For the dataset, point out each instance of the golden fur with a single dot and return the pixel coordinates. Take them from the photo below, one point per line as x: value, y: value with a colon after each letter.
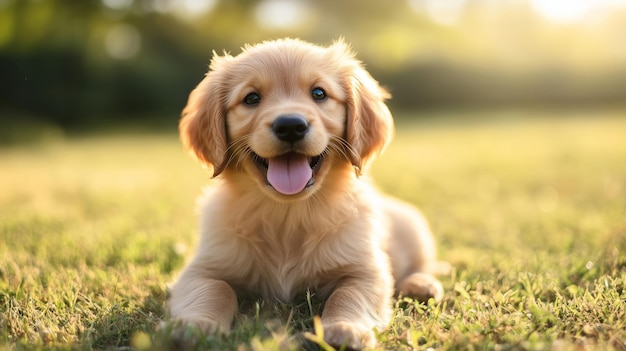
x: 338, y: 236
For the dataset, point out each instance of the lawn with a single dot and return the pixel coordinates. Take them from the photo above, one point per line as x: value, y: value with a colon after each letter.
x: 528, y: 208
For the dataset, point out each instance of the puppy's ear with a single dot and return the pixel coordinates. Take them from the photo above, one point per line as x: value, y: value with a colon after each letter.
x: 203, y: 124
x: 369, y: 126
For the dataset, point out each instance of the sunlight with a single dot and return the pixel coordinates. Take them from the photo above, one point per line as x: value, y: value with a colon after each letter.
x: 195, y: 7
x: 445, y: 12
x: 281, y: 14
x: 122, y: 41
x: 564, y: 10
x: 118, y: 4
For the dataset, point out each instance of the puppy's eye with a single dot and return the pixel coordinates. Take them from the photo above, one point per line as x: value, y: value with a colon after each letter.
x: 318, y: 94
x: 252, y: 99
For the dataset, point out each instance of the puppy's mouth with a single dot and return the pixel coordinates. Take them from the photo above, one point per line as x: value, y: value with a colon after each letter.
x: 289, y: 173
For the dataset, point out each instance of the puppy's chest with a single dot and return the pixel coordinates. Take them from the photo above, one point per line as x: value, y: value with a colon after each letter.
x: 283, y: 277
x: 285, y: 264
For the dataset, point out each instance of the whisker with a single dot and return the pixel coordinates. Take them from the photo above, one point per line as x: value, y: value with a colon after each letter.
x: 237, y: 142
x: 334, y: 149
x: 243, y: 152
x: 237, y: 149
x: 344, y: 149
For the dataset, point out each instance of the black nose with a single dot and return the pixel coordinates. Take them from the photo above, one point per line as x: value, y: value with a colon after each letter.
x: 290, y: 128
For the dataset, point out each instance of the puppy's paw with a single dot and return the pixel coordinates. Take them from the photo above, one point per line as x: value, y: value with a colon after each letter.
x: 192, y: 329
x: 421, y: 287
x: 185, y: 334
x: 352, y: 336
x: 208, y: 326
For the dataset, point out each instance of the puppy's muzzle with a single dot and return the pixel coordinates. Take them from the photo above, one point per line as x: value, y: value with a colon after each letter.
x: 290, y: 128
x: 293, y: 170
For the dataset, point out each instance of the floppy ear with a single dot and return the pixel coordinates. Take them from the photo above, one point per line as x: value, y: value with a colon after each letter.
x: 203, y: 124
x: 369, y: 126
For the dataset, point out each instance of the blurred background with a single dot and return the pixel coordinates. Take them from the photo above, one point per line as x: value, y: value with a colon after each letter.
x: 81, y: 64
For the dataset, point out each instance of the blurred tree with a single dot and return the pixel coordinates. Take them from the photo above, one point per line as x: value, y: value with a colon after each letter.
x: 74, y: 63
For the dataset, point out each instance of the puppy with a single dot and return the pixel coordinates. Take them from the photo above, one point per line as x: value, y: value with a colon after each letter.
x: 289, y: 129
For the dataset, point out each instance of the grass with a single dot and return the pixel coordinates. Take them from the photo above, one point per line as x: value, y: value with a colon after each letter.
x: 530, y: 210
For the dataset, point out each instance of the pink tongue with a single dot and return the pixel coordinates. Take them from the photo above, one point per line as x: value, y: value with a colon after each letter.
x: 289, y: 173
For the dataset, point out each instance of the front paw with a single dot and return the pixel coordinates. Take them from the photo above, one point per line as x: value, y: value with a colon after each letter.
x: 191, y: 329
x: 350, y: 335
x: 184, y: 334
x: 421, y: 287
x: 205, y: 325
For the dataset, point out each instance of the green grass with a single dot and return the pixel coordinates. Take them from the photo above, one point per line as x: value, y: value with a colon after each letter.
x: 529, y: 210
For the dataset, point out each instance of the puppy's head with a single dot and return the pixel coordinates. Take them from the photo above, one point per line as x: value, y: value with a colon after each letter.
x: 286, y: 112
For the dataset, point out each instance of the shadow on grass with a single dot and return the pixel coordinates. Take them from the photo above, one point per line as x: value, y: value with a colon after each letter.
x: 258, y: 326
x: 122, y: 325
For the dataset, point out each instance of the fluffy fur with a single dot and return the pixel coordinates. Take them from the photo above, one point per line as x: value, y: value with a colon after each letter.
x: 337, y: 236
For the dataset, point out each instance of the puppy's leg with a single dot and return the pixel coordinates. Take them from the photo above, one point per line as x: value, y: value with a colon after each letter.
x: 353, y: 310
x: 420, y: 286
x: 206, y: 303
x: 412, y: 252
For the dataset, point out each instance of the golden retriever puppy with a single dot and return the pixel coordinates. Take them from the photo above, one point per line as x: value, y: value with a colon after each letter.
x: 288, y: 129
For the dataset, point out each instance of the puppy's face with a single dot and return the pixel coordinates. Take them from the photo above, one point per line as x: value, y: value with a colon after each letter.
x: 284, y: 113
x: 286, y: 117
